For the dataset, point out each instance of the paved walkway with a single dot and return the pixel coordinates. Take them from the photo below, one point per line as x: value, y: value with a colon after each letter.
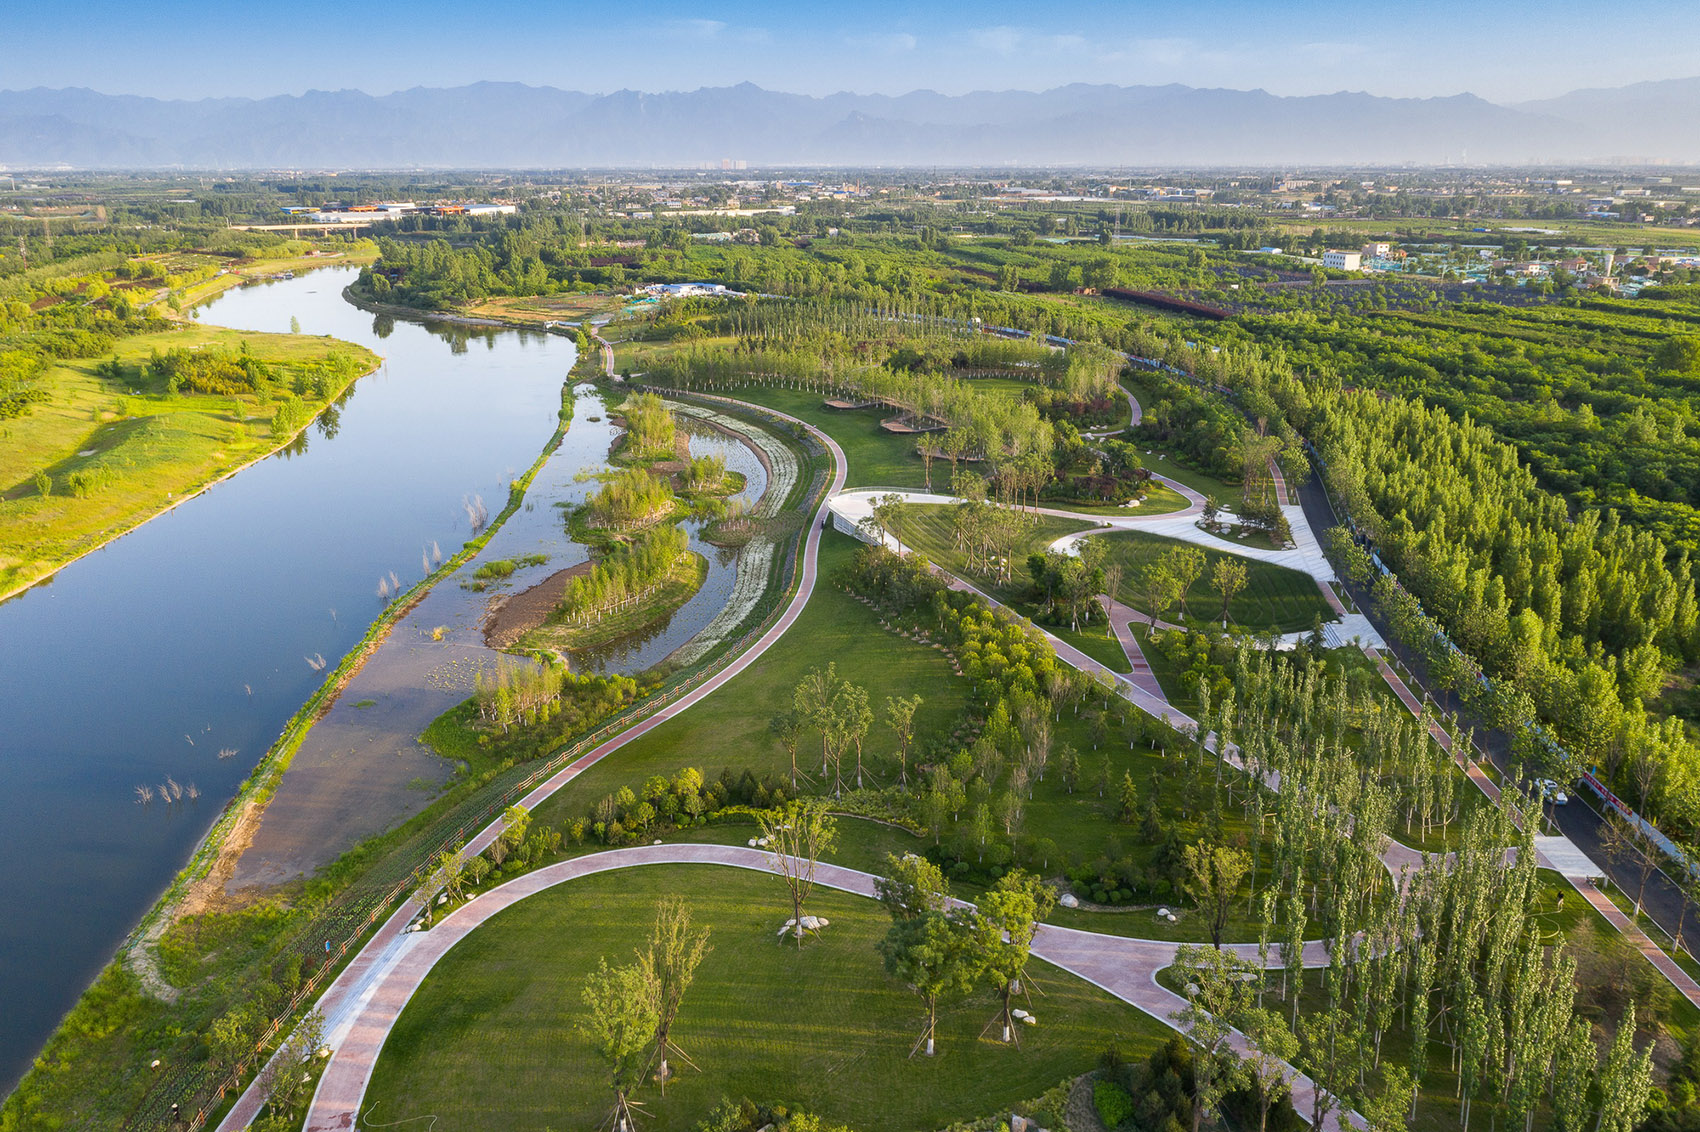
x: 360, y: 980
x: 1124, y: 967
x: 1121, y: 619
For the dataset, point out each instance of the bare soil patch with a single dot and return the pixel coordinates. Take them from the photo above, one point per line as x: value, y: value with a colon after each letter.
x: 511, y: 616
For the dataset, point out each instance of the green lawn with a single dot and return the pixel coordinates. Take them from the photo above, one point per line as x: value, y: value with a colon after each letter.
x: 153, y: 448
x: 928, y: 527
x: 1159, y: 499
x: 490, y: 1038
x: 1273, y: 596
x: 729, y: 729
x: 1096, y: 641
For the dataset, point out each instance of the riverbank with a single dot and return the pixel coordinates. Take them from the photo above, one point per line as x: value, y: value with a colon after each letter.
x: 358, y: 254
x: 350, y: 800
x: 356, y: 296
x: 113, y: 458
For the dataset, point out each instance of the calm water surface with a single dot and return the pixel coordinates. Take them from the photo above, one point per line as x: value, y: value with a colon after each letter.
x: 141, y: 662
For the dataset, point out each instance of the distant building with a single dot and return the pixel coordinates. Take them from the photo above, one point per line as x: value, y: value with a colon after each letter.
x: 1343, y: 261
x: 1377, y: 251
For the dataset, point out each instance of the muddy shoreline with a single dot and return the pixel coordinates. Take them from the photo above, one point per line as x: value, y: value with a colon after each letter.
x: 512, y: 616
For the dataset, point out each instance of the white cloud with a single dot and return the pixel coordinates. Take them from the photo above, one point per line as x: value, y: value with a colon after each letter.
x: 697, y: 29
x: 889, y: 43
x: 998, y: 40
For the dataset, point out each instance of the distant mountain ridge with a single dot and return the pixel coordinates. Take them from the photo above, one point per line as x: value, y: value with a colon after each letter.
x: 512, y: 125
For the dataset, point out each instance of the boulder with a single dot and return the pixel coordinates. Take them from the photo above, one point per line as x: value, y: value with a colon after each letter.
x: 1069, y: 900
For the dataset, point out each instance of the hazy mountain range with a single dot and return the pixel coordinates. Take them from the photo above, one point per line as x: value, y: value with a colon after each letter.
x: 510, y: 125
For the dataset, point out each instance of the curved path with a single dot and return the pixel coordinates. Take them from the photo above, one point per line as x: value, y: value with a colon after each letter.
x: 1126, y: 968
x: 361, y: 978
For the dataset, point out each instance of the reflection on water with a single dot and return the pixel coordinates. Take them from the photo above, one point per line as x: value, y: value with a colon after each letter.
x: 197, y: 634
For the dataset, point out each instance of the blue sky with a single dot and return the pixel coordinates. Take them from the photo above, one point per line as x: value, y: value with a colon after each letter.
x: 1504, y: 50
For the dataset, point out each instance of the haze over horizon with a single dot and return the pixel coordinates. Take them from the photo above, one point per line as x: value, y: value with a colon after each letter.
x: 1502, y: 52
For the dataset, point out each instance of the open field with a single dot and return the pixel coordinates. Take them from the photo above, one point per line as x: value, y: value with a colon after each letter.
x: 929, y: 529
x: 151, y: 450
x: 548, y: 308
x: 1274, y: 596
x: 491, y: 1036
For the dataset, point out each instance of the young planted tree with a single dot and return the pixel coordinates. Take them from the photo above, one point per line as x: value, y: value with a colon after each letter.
x: 900, y: 718
x: 787, y: 726
x: 620, y: 1018
x: 798, y: 835
x: 911, y: 887
x: 930, y: 953
x: 1220, y: 987
x: 854, y: 717
x: 1273, y: 1048
x: 1184, y: 564
x: 284, y: 1079
x: 1214, y: 873
x: 1229, y: 578
x: 1002, y: 934
x: 813, y: 701
x: 1625, y: 1079
x: 670, y: 964
x: 1159, y: 589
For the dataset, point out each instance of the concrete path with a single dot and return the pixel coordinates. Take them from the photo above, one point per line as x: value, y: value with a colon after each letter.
x: 1121, y: 619
x: 1126, y: 968
x: 360, y: 980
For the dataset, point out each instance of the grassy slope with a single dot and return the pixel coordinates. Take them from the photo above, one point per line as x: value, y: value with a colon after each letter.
x: 166, y: 448
x: 491, y: 1035
x: 930, y: 530
x: 1274, y: 595
x: 729, y: 728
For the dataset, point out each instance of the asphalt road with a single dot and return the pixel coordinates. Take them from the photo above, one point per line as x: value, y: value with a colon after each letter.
x: 1578, y: 821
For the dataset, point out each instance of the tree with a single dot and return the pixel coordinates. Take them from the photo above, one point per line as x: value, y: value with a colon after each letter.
x: 1386, y: 1109
x: 620, y: 1019
x: 285, y: 1076
x: 853, y: 718
x: 450, y: 873
x: 1220, y: 987
x: 1324, y: 1037
x: 1003, y: 927
x: 1159, y: 589
x: 1127, y: 800
x: 890, y: 512
x: 911, y: 887
x: 1184, y: 564
x: 930, y: 954
x: 900, y: 717
x: 516, y: 820
x: 1625, y: 1079
x: 813, y: 701
x: 1214, y: 873
x: 1229, y: 578
x: 787, y: 726
x: 670, y: 964
x: 798, y: 835
x: 1273, y: 1047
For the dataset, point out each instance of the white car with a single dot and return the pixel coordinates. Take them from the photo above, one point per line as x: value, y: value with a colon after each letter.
x: 1552, y: 792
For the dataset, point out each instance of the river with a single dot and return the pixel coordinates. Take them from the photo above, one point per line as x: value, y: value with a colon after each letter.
x: 140, y: 663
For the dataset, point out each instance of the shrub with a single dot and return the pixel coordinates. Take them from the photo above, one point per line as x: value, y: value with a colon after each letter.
x: 1113, y: 1103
